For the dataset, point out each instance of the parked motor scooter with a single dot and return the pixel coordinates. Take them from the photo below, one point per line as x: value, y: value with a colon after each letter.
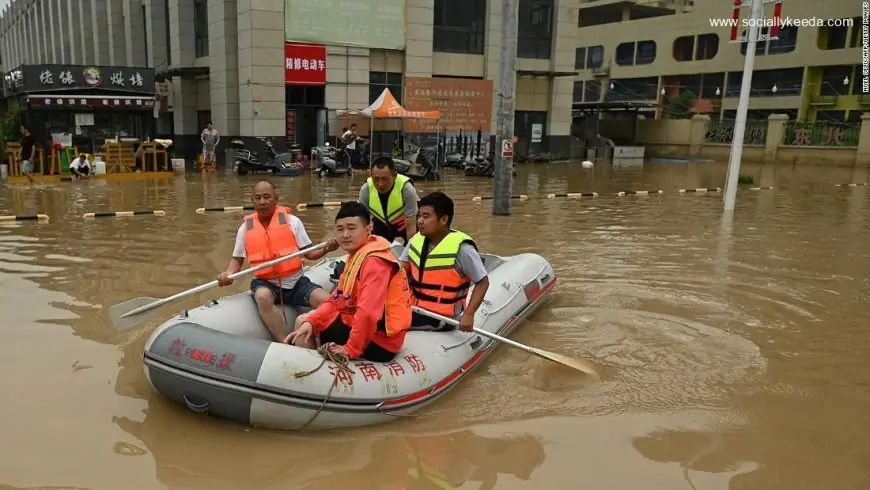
x: 330, y: 162
x: 249, y: 161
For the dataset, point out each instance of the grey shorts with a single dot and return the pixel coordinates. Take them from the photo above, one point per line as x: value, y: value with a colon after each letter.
x: 25, y: 167
x: 299, y: 295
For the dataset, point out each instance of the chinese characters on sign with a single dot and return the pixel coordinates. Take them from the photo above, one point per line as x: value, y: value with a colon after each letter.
x: 117, y: 79
x: 224, y: 362
x: 304, y: 64
x: 291, y: 126
x: 827, y: 136
x: 41, y: 77
x: 465, y: 104
x: 90, y: 101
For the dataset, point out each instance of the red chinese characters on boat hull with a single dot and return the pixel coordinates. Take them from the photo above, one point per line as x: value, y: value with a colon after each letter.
x: 179, y: 348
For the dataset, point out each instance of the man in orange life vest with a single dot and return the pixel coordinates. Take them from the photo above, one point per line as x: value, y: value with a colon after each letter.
x: 369, y: 312
x: 391, y: 199
x: 442, y: 264
x: 268, y: 233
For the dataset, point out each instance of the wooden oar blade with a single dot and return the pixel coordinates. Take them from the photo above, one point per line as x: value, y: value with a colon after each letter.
x: 117, y: 312
x: 571, y: 362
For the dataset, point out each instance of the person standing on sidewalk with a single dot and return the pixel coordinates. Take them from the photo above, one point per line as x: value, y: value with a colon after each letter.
x: 210, y: 139
x: 26, y: 153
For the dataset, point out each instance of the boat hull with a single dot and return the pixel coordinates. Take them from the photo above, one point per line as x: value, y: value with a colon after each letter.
x: 219, y: 359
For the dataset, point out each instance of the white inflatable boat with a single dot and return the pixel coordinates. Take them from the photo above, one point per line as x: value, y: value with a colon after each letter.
x: 219, y: 359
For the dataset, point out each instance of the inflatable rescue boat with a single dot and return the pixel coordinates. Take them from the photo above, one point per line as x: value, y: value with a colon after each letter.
x: 219, y: 359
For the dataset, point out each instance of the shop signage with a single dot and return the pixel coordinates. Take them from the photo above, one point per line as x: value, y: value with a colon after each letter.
x: 67, y: 77
x: 378, y: 25
x: 88, y: 101
x: 304, y: 64
x: 465, y: 104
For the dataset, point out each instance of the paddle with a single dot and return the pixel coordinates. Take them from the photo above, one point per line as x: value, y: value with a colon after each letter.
x: 571, y: 362
x: 132, y: 312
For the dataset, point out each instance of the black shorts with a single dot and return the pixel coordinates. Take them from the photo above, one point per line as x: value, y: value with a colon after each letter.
x: 299, y: 296
x: 339, y: 333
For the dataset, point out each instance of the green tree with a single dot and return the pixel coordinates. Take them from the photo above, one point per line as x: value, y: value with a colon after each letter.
x: 680, y: 107
x: 10, y: 127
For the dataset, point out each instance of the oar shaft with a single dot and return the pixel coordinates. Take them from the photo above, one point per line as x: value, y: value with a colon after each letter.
x: 199, y: 289
x: 455, y: 323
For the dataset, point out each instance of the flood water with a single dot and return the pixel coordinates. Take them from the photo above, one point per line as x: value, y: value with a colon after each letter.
x: 735, y: 352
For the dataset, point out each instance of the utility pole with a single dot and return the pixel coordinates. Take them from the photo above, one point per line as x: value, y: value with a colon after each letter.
x: 756, y: 14
x: 504, y: 155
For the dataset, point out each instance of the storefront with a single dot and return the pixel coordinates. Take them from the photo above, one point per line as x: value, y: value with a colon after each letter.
x: 88, y: 103
x: 305, y: 79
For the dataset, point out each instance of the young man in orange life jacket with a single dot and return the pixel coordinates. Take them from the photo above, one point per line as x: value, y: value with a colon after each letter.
x: 270, y: 232
x: 442, y: 264
x: 369, y: 312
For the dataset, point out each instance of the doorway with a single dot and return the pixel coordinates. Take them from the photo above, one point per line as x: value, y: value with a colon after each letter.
x: 530, y: 127
x: 304, y: 106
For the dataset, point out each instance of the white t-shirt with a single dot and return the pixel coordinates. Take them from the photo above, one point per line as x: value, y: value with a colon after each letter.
x: 75, y: 164
x: 348, y: 136
x: 302, y: 241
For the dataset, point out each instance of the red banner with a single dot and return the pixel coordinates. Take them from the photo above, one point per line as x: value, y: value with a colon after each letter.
x: 304, y: 64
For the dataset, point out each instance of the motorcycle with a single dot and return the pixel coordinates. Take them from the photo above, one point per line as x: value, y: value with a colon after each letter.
x: 276, y: 163
x: 480, y: 167
x: 328, y: 161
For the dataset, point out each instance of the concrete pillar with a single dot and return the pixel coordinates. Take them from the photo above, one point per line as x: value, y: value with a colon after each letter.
x: 418, y: 38
x: 35, y: 37
x: 44, y: 24
x: 52, y: 29
x: 134, y: 30
x: 155, y: 22
x: 775, y: 132
x: 29, y: 51
x: 117, y: 32
x: 63, y: 30
x: 565, y: 42
x: 261, y: 69
x: 19, y: 38
x: 492, y: 52
x: 71, y: 27
x: 100, y: 23
x: 181, y: 32
x: 697, y: 132
x: 862, y: 157
x: 80, y: 16
x: 223, y: 48
x: 184, y: 106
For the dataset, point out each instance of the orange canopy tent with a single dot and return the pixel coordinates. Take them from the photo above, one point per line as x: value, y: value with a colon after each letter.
x: 387, y: 107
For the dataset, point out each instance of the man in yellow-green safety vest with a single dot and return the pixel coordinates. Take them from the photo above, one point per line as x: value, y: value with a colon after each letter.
x: 392, y: 201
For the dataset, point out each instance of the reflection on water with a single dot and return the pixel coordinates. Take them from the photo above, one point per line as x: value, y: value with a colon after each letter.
x: 733, y: 347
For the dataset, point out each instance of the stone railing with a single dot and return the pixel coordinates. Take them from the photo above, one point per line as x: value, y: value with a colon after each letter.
x: 776, y: 140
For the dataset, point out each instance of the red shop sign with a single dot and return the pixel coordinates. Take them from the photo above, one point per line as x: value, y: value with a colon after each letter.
x: 304, y: 64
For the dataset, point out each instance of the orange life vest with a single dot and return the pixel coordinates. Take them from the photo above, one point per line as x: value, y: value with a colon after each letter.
x: 436, y: 284
x: 397, y: 309
x: 264, y: 244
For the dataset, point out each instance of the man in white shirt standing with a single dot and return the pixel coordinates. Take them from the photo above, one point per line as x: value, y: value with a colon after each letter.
x: 350, y: 138
x: 271, y: 231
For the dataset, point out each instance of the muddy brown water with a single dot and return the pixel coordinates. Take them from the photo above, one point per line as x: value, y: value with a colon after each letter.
x: 735, y: 352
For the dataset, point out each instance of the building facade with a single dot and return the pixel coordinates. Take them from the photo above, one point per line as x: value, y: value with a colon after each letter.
x: 228, y: 63
x: 648, y: 53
